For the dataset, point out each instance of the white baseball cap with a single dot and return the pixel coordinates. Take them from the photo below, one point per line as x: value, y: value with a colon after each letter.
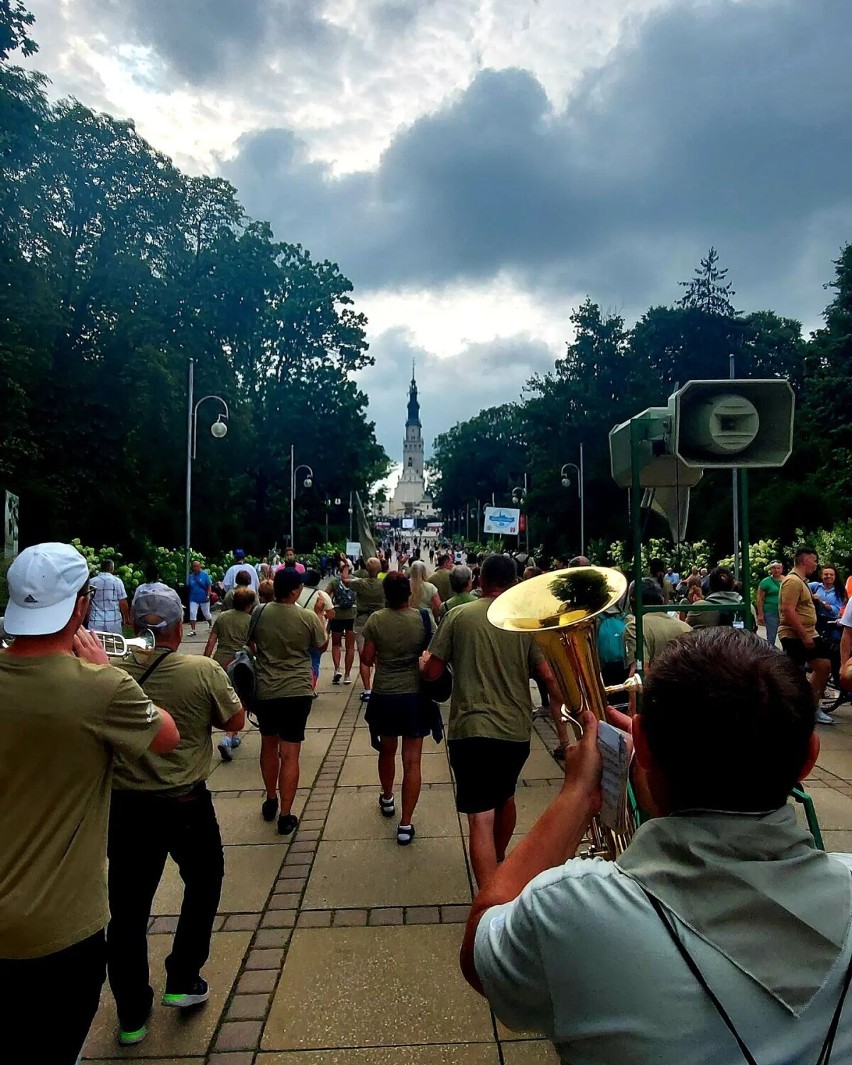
x: 45, y: 582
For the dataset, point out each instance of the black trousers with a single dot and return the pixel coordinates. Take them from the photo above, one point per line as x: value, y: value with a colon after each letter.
x: 61, y: 990
x: 144, y: 830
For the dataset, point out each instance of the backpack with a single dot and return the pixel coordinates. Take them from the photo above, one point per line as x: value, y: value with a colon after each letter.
x: 611, y: 638
x: 242, y: 669
x: 344, y: 596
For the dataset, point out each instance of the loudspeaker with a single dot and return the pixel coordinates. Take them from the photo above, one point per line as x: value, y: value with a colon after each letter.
x: 723, y: 424
x: 658, y: 468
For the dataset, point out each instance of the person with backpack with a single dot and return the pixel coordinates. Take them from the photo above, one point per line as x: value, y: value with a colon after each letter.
x: 228, y: 635
x: 343, y: 625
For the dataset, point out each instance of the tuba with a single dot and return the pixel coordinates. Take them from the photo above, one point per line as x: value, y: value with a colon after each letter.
x: 559, y: 609
x: 116, y: 646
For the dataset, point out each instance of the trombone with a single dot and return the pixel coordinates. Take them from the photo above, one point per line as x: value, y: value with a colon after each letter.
x: 117, y: 646
x: 559, y: 610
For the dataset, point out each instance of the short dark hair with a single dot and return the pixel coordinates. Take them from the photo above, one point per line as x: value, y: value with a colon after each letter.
x: 397, y: 589
x: 442, y: 560
x: 804, y: 549
x: 106, y: 564
x: 656, y: 565
x: 498, y: 571
x: 720, y: 580
x: 728, y: 720
x: 285, y: 582
x: 242, y: 577
x: 312, y: 577
x: 651, y: 592
x: 243, y: 597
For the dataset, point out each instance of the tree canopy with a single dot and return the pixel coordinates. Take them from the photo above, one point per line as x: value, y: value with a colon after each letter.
x: 116, y: 270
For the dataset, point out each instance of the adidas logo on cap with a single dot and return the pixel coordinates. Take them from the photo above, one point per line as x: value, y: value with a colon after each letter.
x: 29, y: 599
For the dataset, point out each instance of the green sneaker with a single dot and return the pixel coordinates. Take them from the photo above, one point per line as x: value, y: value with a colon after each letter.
x: 129, y: 1039
x: 199, y: 993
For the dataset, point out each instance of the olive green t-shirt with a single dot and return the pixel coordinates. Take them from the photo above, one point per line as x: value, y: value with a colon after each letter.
x: 341, y: 614
x: 400, y: 639
x: 369, y: 593
x: 491, y: 674
x: 231, y: 628
x: 456, y: 600
x: 284, y: 636
x: 441, y: 579
x: 62, y: 721
x: 197, y: 693
x: 796, y: 594
x: 657, y: 631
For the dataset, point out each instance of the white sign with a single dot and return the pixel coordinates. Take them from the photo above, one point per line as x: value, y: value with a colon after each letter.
x: 501, y: 520
x: 353, y: 548
x: 10, y: 526
x: 408, y: 523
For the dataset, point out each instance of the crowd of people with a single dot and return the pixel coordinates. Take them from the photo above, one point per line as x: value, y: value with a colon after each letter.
x: 123, y: 751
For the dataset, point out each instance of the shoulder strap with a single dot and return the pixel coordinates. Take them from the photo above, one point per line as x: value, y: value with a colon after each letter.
x: 153, y: 666
x: 427, y: 627
x: 310, y: 597
x: 254, y: 620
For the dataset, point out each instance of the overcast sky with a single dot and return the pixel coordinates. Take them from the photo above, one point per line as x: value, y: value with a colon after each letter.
x: 476, y: 167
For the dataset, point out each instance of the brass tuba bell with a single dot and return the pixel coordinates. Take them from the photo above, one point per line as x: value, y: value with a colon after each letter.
x: 559, y: 610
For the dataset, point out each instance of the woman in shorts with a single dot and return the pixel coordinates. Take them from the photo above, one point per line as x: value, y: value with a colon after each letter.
x: 394, y: 639
x: 227, y: 636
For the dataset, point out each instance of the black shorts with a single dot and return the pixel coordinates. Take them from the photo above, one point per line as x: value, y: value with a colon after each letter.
x: 284, y: 718
x: 800, y: 654
x: 341, y: 625
x: 486, y: 771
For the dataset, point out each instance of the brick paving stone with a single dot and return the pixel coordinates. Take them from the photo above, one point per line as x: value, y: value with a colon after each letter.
x: 278, y: 919
x: 349, y: 918
x: 219, y: 922
x: 248, y: 1008
x: 385, y: 915
x: 286, y: 901
x: 242, y: 922
x: 163, y: 924
x: 307, y: 836
x: 303, y: 846
x: 313, y: 825
x: 256, y: 982
x: 272, y: 938
x: 295, y: 873
x: 454, y: 914
x: 263, y: 959
x: 239, y: 1035
x: 233, y: 1058
x: 314, y: 919
x: 422, y: 915
x: 298, y: 858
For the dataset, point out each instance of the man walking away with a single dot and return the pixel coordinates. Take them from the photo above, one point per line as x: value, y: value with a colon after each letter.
x: 491, y: 712
x: 161, y: 807
x: 230, y: 578
x: 441, y: 576
x: 798, y: 630
x: 65, y: 715
x: 109, y: 601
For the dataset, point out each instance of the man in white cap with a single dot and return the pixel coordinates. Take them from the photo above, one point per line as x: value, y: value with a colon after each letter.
x: 67, y: 713
x: 161, y: 807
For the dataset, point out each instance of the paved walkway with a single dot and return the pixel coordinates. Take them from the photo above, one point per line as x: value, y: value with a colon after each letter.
x: 337, y: 947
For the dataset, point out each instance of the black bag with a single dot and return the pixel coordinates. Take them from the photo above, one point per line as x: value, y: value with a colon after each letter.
x: 439, y: 690
x: 242, y: 669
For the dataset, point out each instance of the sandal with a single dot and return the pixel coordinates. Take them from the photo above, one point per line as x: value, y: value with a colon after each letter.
x: 387, y: 806
x: 404, y: 834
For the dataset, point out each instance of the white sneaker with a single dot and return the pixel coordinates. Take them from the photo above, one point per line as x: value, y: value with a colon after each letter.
x: 347, y: 680
x: 823, y: 719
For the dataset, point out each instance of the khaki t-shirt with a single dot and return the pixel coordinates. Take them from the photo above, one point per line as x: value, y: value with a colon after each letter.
x: 400, y: 639
x: 454, y: 601
x: 283, y: 637
x: 62, y: 720
x: 657, y: 631
x: 796, y: 594
x: 341, y: 613
x: 491, y: 674
x: 231, y: 628
x: 197, y: 693
x: 441, y: 579
x: 369, y: 593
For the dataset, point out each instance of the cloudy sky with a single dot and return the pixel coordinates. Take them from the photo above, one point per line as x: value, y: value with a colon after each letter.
x: 477, y: 167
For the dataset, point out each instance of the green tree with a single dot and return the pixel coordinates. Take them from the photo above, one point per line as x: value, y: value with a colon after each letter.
x: 15, y: 22
x: 709, y: 290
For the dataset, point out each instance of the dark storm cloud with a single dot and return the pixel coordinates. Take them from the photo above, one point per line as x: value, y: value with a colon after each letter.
x: 450, y: 389
x: 724, y: 123
x: 204, y: 41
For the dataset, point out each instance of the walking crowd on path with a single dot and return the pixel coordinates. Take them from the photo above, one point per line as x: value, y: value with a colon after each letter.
x: 105, y: 766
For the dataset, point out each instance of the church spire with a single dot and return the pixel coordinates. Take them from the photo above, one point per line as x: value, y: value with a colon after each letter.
x: 413, y: 403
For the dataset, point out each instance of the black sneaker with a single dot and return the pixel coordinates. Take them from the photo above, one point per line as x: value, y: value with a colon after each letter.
x: 404, y: 834
x: 198, y: 993
x: 387, y: 806
x: 269, y: 809
x: 286, y: 824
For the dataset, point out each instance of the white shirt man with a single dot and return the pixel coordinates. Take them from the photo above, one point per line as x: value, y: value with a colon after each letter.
x: 109, y: 602
x: 229, y: 581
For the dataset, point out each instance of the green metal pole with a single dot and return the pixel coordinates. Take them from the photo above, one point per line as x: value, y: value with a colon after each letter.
x: 636, y: 527
x: 745, y: 568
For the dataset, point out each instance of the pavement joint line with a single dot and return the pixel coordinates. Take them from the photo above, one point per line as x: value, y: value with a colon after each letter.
x: 330, y: 769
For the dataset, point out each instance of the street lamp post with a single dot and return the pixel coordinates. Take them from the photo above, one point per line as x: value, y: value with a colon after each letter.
x: 328, y: 505
x: 294, y: 470
x: 581, y: 492
x: 219, y: 429
x: 350, y: 517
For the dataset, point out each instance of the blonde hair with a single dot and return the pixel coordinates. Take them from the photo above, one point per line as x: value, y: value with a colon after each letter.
x: 266, y: 591
x: 417, y: 576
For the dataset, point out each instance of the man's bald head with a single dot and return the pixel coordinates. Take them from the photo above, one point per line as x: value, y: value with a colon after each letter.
x: 373, y: 567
